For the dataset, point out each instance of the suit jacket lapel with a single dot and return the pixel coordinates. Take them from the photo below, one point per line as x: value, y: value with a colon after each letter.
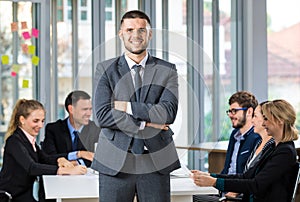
x: 67, y: 136
x: 27, y: 144
x: 125, y: 83
x: 149, y: 73
x: 83, y: 136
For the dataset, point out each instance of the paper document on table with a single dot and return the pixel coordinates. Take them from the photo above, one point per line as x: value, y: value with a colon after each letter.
x: 181, y: 172
x: 91, y: 171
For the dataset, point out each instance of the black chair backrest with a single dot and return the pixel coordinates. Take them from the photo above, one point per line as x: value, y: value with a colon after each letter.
x: 5, y: 196
x: 296, y: 183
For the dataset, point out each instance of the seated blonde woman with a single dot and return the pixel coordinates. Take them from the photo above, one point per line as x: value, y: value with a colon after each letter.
x: 23, y: 160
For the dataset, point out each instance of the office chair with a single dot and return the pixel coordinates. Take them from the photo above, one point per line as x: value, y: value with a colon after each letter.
x: 230, y: 199
x: 296, y: 184
x: 5, y: 196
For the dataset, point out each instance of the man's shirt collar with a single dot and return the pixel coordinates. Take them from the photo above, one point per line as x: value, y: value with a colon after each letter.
x: 131, y: 63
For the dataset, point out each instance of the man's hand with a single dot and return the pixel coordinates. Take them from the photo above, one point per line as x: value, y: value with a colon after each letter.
x: 77, y: 170
x: 231, y: 194
x: 85, y: 155
x: 62, y: 162
x: 158, y: 126
x: 120, y: 105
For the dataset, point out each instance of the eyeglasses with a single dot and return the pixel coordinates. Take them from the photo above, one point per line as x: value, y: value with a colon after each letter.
x: 234, y: 110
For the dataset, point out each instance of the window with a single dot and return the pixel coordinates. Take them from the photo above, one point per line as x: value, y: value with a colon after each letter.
x: 83, y: 15
x: 108, y: 3
x: 283, y: 52
x: 72, y: 65
x: 69, y: 14
x: 83, y: 3
x: 60, y: 10
x: 23, y: 52
x: 60, y: 16
x: 109, y: 11
x: 59, y: 3
x: 108, y: 16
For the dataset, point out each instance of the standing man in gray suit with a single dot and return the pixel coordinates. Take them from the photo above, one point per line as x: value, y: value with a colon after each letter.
x: 135, y: 101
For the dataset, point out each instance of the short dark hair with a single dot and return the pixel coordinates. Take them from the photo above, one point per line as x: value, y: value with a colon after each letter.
x: 135, y: 14
x: 244, y: 99
x: 74, y: 96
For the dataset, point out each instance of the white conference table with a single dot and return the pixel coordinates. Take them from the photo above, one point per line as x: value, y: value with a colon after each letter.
x: 84, y: 188
x: 216, y: 153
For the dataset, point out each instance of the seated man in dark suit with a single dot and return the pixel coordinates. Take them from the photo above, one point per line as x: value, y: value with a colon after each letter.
x: 77, y: 134
x: 242, y: 139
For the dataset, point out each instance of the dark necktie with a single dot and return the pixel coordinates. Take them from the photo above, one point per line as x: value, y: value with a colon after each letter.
x: 137, y: 144
x: 137, y: 81
x: 75, y: 141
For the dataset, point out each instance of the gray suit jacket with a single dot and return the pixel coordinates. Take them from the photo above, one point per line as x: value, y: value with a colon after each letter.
x: 159, y: 103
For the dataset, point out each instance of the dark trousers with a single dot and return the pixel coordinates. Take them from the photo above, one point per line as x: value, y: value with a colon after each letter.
x: 138, y: 178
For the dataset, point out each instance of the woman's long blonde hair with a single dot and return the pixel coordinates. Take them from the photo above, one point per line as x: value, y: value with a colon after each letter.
x: 23, y: 108
x: 281, y: 110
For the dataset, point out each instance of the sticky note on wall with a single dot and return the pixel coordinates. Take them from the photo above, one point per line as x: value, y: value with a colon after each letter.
x: 35, y: 32
x: 13, y: 74
x: 24, y: 25
x: 5, y: 59
x: 35, y: 60
x: 25, y: 83
x: 31, y: 49
x: 15, y: 68
x: 25, y: 48
x: 26, y: 35
x: 14, y: 26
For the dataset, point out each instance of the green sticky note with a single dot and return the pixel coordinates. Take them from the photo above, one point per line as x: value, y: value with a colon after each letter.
x: 25, y: 84
x: 31, y: 49
x: 35, y: 60
x: 5, y: 59
x: 16, y: 68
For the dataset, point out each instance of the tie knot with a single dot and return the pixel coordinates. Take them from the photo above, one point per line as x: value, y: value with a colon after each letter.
x: 75, y: 133
x: 137, y: 68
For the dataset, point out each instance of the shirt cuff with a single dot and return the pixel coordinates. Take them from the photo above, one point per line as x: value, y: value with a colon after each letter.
x: 80, y: 162
x: 213, y: 175
x: 72, y: 156
x: 220, y: 183
x: 142, y: 126
x: 129, y: 108
x: 129, y: 111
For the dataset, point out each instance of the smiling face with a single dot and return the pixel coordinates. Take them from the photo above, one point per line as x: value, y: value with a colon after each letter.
x: 135, y: 34
x: 273, y: 128
x: 81, y: 112
x: 34, y: 122
x: 279, y: 120
x: 257, y: 120
x: 238, y: 119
